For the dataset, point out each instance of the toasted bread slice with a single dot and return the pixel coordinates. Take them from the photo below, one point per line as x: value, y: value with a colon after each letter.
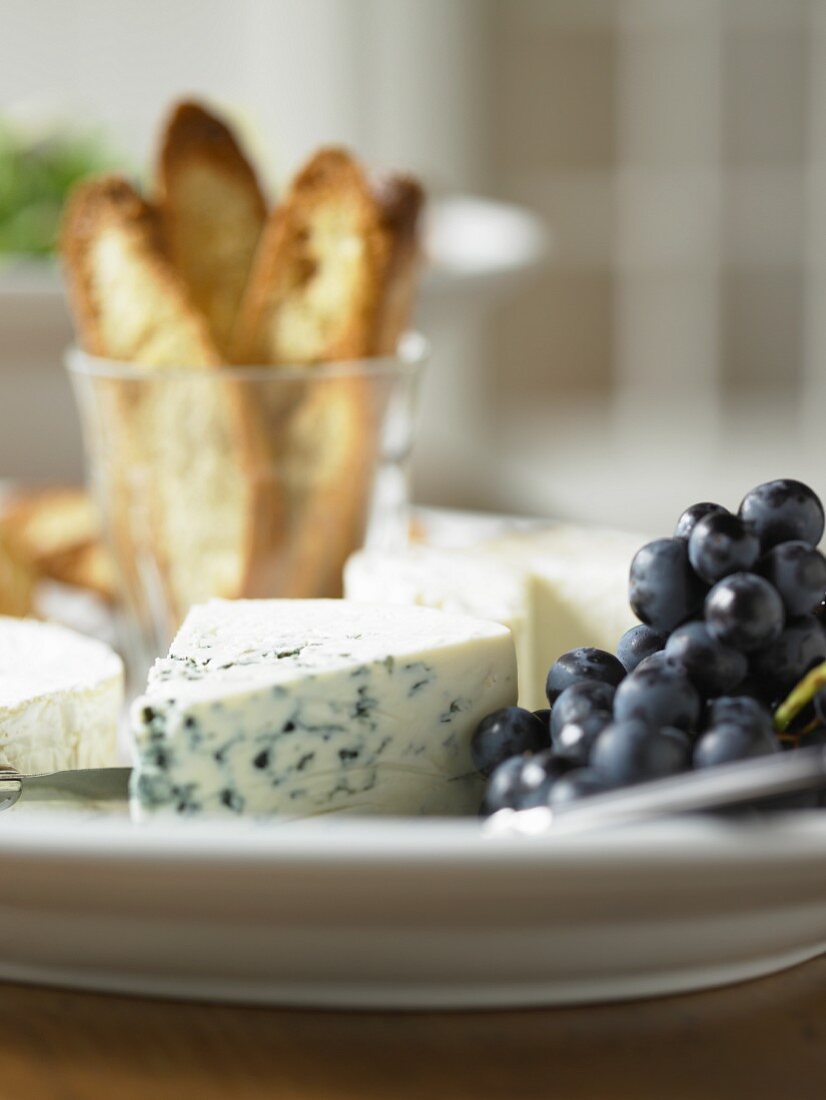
x: 47, y: 524
x: 212, y: 210
x: 90, y: 567
x: 400, y: 200
x: 181, y: 504
x: 127, y: 302
x: 58, y: 532
x: 17, y: 581
x: 331, y: 456
x: 333, y: 280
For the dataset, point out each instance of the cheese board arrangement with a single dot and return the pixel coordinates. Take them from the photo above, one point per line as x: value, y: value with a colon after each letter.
x: 209, y: 897
x: 542, y: 764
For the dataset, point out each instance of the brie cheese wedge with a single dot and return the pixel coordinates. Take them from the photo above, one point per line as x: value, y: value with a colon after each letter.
x: 61, y: 696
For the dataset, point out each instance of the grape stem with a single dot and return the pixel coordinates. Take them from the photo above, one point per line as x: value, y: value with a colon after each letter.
x: 799, y: 697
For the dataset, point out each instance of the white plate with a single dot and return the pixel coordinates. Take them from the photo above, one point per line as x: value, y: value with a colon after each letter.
x: 405, y: 914
x: 480, y: 246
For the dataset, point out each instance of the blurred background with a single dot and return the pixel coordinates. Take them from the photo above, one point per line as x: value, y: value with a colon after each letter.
x: 628, y: 255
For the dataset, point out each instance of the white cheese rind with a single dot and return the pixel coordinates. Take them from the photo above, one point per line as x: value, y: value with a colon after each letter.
x: 61, y: 696
x: 300, y: 707
x: 556, y: 589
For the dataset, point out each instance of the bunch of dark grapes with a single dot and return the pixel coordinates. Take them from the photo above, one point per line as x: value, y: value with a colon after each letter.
x: 731, y: 611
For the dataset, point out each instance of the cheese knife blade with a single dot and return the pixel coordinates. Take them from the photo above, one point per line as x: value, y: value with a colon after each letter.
x: 82, y: 784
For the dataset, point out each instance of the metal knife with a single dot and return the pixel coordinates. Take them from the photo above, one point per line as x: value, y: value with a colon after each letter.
x: 83, y: 784
x: 707, y: 789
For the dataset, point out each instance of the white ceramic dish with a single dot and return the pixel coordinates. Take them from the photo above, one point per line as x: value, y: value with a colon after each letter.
x: 405, y: 914
x: 480, y: 246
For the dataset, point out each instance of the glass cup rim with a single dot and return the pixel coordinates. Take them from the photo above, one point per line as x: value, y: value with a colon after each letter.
x: 411, y: 354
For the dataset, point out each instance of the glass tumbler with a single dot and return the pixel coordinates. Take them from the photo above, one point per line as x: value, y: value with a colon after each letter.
x: 242, y: 481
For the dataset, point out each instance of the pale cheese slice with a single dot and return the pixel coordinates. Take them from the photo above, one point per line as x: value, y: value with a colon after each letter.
x: 61, y: 696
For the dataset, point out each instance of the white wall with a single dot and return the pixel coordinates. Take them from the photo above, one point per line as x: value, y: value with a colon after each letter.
x: 677, y: 348
x: 676, y: 147
x: 398, y: 79
x: 119, y: 63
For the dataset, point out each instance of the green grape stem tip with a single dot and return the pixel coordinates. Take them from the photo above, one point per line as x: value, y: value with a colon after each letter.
x: 800, y: 697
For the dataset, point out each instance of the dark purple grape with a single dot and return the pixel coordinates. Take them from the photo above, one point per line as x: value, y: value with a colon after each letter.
x: 740, y: 710
x: 721, y: 544
x: 581, y: 701
x: 744, y: 611
x: 659, y: 697
x: 633, y: 752
x: 539, y: 773
x: 504, y: 786
x: 655, y: 661
x: 798, y: 572
x: 577, y: 665
x: 785, y: 662
x: 782, y: 510
x: 575, y: 740
x: 758, y: 690
x: 712, y: 667
x: 730, y: 741
x: 663, y: 589
x: 506, y: 733
x: 638, y: 643
x: 544, y: 716
x: 577, y: 784
x: 691, y: 516
x: 522, y: 782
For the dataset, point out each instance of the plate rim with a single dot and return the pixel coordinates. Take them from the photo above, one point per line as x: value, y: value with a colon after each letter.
x: 797, y: 836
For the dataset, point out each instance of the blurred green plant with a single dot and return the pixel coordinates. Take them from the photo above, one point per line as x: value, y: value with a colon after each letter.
x: 37, y: 172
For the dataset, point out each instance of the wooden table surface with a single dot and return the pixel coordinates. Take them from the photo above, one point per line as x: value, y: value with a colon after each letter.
x: 760, y: 1039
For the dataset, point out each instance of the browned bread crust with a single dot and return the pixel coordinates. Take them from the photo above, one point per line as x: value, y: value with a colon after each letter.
x: 400, y: 200
x: 90, y: 567
x: 58, y: 532
x: 45, y: 524
x: 17, y: 580
x: 127, y: 302
x: 325, y: 282
x: 212, y: 209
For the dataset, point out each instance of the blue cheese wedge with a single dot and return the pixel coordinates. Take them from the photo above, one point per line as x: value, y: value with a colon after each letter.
x: 556, y: 588
x: 300, y: 707
x: 460, y: 582
x: 61, y: 696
